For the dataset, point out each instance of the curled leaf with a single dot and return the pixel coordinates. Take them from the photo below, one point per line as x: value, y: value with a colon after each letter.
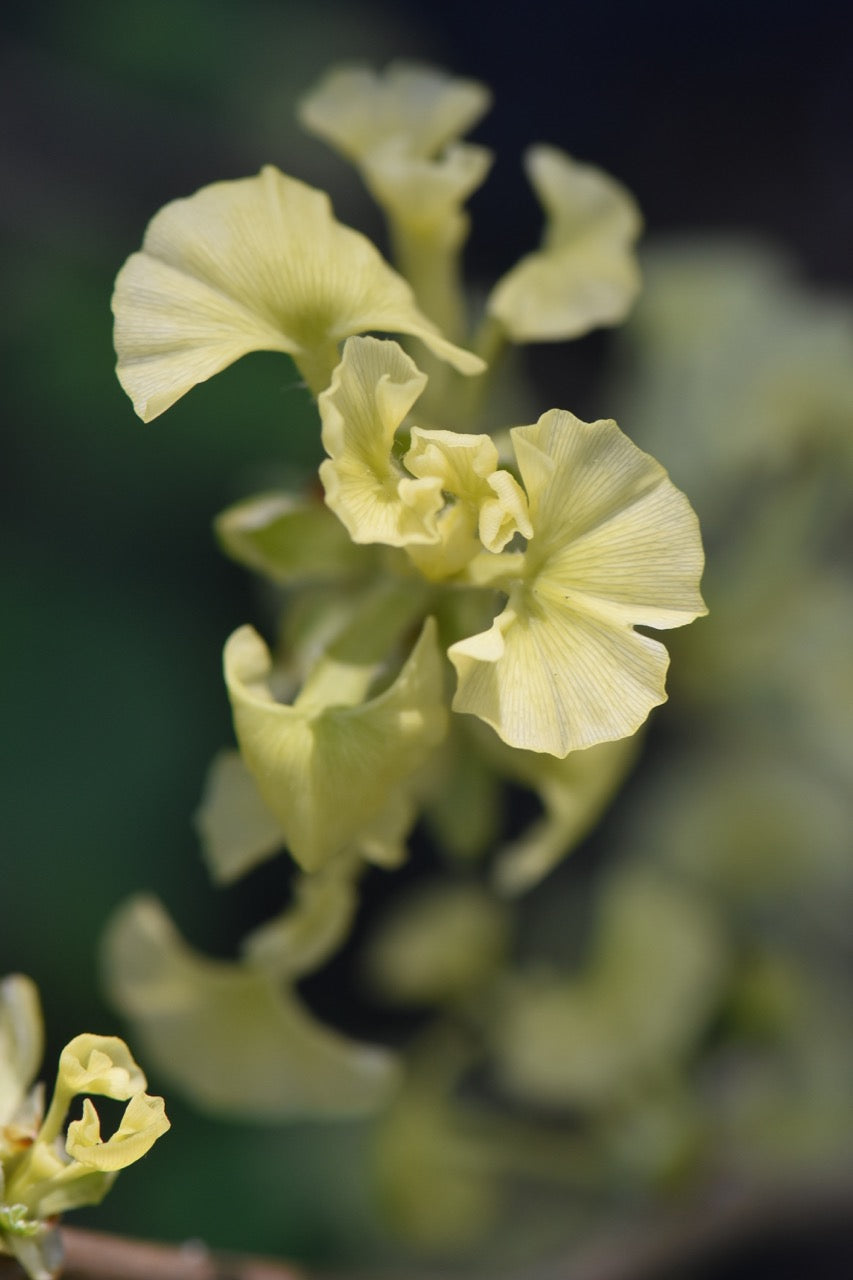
x: 143, y: 1122
x: 326, y: 769
x: 585, y: 274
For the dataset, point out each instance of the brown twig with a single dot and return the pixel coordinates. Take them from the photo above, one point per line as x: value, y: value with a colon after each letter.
x: 663, y: 1245
x: 705, y: 1230
x: 94, y: 1255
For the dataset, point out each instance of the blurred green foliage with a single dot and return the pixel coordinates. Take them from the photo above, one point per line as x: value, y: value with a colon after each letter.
x: 116, y: 599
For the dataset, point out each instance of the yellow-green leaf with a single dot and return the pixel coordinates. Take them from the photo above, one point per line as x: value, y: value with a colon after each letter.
x: 585, y: 274
x: 257, y: 264
x: 231, y: 1036
x: 290, y: 540
x: 357, y: 110
x: 326, y: 768
x: 372, y: 391
x: 614, y: 544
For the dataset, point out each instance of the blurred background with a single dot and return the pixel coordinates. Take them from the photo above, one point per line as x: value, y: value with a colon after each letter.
x: 722, y: 119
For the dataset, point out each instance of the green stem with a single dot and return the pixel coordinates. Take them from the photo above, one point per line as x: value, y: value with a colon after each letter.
x: 489, y: 340
x: 431, y: 266
x: 55, y: 1117
x: 317, y: 366
x: 472, y: 394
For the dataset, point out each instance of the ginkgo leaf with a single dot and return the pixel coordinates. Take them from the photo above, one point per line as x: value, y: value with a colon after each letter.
x: 357, y: 109
x: 325, y: 770
x: 236, y: 828
x: 21, y: 1042
x: 143, y: 1122
x: 372, y: 391
x: 585, y: 274
x: 631, y: 1015
x: 614, y: 544
x: 233, y: 1037
x: 257, y: 264
x: 290, y: 540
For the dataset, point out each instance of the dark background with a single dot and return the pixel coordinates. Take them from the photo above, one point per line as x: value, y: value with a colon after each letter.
x: 115, y: 601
